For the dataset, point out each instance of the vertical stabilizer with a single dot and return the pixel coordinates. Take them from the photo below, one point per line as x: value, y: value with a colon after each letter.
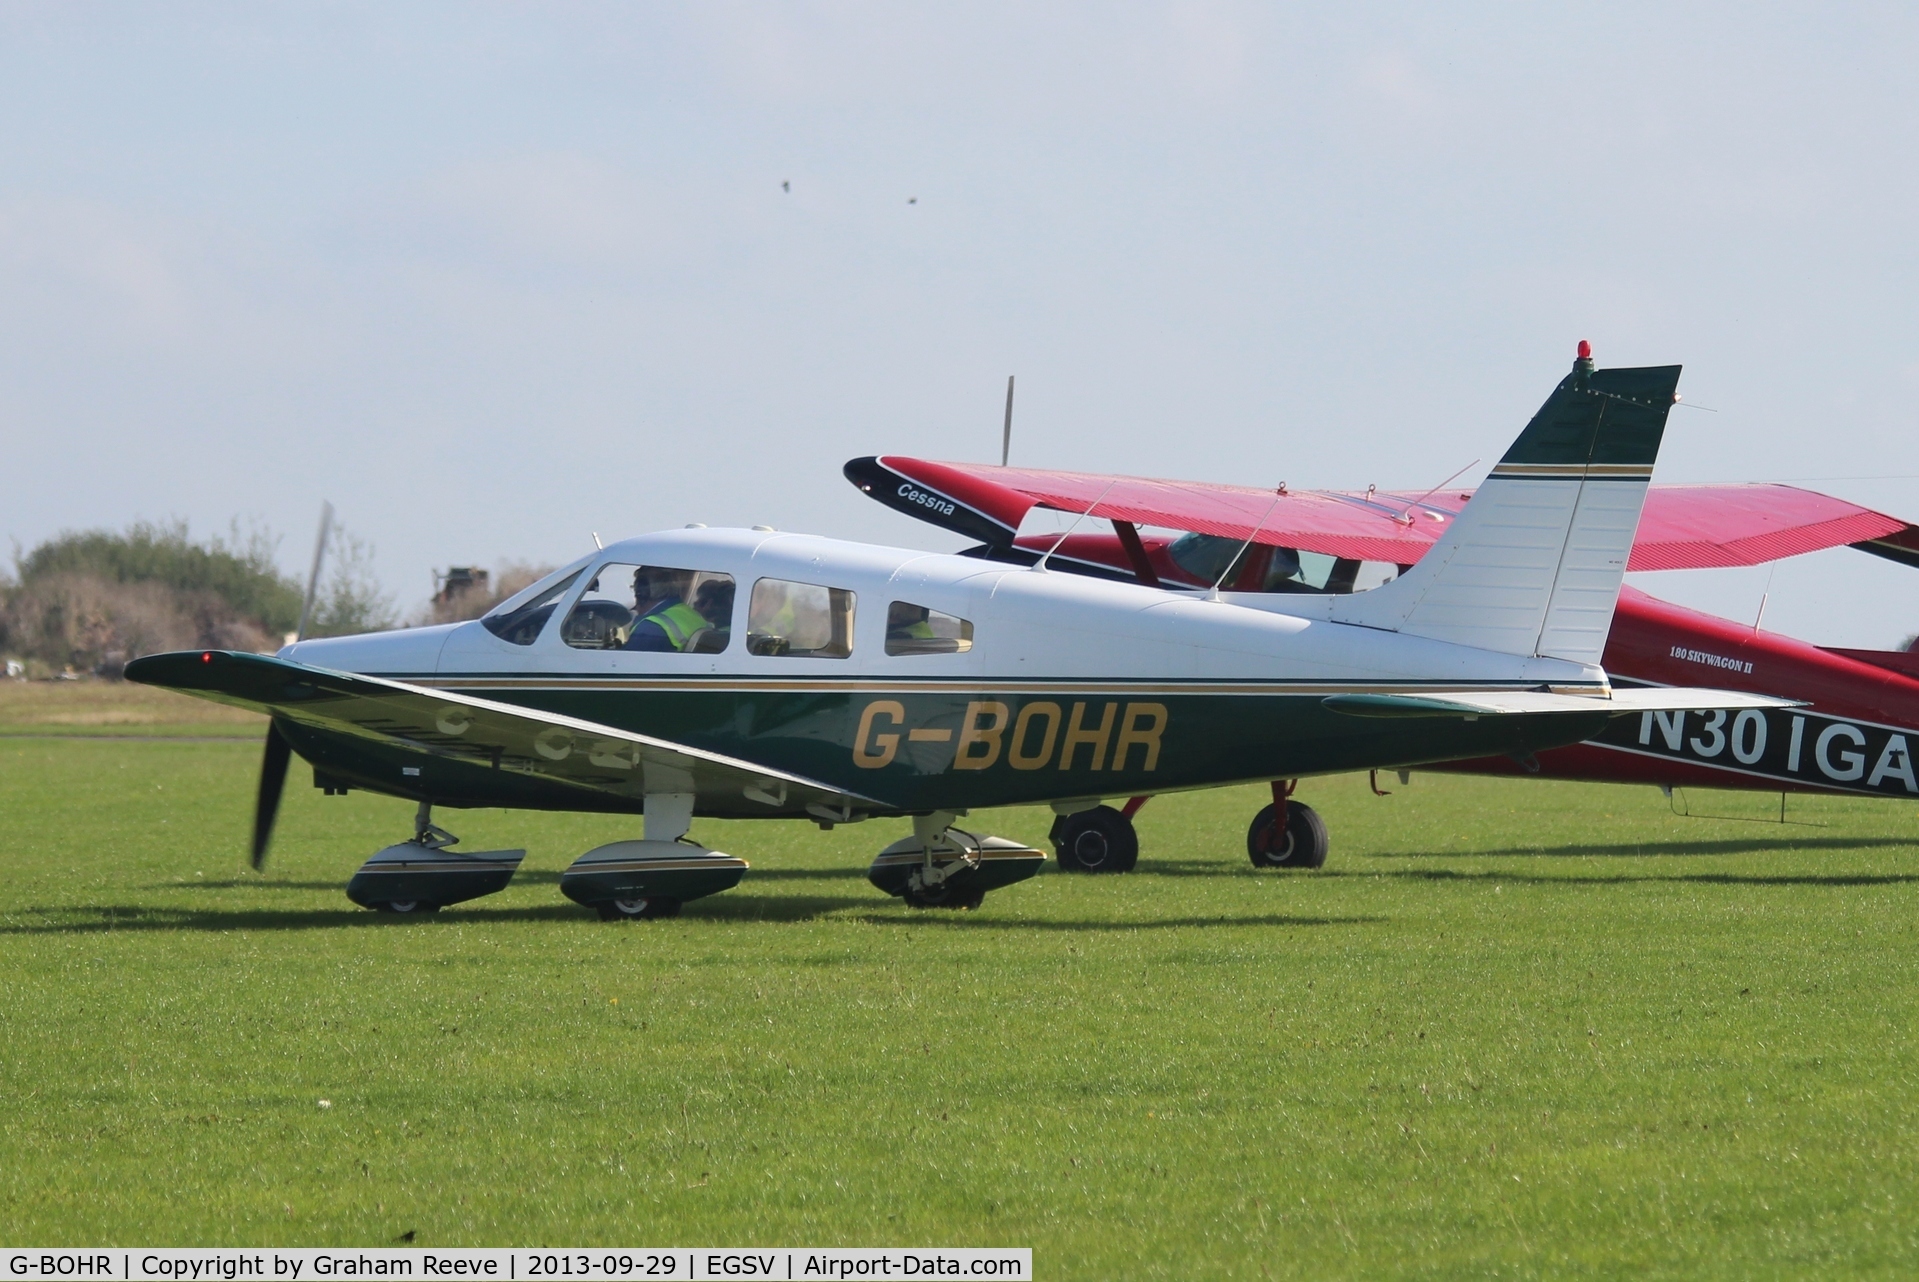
x: 1533, y: 565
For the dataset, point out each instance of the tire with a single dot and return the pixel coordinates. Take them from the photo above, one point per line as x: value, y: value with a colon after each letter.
x: 943, y: 896
x: 638, y: 909
x: 1302, y: 845
x: 406, y: 907
x: 1096, y: 840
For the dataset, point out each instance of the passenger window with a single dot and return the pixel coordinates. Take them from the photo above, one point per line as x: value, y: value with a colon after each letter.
x: 800, y: 620
x: 916, y: 629
x: 520, y: 618
x: 652, y: 607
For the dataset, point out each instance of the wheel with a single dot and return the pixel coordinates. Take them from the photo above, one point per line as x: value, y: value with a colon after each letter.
x: 635, y: 909
x: 414, y: 907
x: 1302, y: 845
x: 943, y: 896
x: 1096, y: 840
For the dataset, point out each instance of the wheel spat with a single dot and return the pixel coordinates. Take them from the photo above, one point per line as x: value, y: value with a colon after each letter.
x: 273, y: 778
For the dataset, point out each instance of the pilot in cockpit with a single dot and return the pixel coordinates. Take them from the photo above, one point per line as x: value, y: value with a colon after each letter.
x: 665, y: 621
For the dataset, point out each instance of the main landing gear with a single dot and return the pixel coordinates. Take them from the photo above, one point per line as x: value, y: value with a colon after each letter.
x: 423, y: 876
x: 1099, y: 839
x: 1288, y: 833
x: 651, y: 878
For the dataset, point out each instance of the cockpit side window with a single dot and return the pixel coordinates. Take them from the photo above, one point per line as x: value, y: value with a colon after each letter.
x: 799, y: 620
x: 652, y: 607
x: 520, y: 619
x: 919, y: 629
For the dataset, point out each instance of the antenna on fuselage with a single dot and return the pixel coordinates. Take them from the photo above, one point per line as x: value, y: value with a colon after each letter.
x: 1406, y: 517
x: 1006, y: 433
x: 1212, y: 593
x: 1040, y: 565
x: 598, y: 546
x: 313, y: 577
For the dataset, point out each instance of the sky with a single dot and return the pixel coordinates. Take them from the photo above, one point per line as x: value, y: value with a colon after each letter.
x: 495, y: 278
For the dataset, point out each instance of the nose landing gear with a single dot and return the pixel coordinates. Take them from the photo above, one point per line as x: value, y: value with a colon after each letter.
x: 1288, y: 833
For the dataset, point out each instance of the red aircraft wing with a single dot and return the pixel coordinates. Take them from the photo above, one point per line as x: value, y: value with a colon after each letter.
x: 1855, y: 734
x: 1683, y: 527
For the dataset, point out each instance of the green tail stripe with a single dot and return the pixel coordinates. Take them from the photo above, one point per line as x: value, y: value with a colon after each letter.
x: 1600, y: 416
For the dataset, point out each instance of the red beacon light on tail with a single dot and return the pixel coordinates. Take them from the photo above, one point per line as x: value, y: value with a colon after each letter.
x: 1585, y: 350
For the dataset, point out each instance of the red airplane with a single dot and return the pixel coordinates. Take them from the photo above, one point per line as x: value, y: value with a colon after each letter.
x: 1860, y: 706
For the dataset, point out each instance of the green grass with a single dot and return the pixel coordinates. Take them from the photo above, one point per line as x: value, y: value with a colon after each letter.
x: 1513, y: 1028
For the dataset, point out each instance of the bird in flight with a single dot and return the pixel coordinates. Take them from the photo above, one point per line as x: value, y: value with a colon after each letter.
x: 786, y: 186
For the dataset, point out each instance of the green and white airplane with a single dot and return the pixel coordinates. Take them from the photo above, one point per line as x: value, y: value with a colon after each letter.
x: 755, y: 674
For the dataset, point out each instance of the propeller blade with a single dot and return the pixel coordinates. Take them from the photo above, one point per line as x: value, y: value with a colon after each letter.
x: 273, y: 778
x: 313, y: 579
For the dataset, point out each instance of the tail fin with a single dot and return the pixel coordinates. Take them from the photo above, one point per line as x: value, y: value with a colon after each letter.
x: 1533, y: 564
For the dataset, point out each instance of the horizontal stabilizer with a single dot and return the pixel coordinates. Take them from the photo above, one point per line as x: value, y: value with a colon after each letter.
x: 1524, y: 703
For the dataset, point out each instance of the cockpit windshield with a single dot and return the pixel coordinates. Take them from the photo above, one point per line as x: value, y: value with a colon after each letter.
x: 521, y: 617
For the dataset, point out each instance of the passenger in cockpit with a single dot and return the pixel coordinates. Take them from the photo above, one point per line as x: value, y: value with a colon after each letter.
x: 714, y: 601
x: 666, y: 621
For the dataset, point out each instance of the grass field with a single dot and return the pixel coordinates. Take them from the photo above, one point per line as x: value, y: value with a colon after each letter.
x: 1513, y: 1028
x: 117, y: 708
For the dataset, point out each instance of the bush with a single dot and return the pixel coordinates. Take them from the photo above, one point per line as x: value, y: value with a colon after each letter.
x: 91, y: 600
x: 238, y: 571
x: 89, y: 623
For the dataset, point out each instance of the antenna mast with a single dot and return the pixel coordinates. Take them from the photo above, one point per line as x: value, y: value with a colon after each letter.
x: 1006, y: 435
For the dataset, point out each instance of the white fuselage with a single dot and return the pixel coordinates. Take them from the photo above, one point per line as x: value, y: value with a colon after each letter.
x: 1027, y: 625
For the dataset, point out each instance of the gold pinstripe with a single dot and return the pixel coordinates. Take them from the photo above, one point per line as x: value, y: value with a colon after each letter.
x: 968, y: 687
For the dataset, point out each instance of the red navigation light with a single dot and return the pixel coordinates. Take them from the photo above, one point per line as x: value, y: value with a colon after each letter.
x: 207, y: 657
x: 1585, y: 350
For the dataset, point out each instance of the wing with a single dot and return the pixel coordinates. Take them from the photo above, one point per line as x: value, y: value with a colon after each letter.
x: 988, y: 503
x: 567, y: 751
x: 1696, y: 527
x: 1683, y: 527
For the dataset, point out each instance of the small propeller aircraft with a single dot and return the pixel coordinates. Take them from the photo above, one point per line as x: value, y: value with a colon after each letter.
x: 1856, y: 709
x: 754, y: 674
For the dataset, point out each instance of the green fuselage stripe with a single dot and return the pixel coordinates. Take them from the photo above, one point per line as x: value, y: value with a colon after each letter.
x: 930, y: 745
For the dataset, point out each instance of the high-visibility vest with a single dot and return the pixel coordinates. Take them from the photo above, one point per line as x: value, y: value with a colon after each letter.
x: 679, y: 621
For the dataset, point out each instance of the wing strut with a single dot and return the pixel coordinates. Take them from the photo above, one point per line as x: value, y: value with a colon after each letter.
x: 1136, y: 552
